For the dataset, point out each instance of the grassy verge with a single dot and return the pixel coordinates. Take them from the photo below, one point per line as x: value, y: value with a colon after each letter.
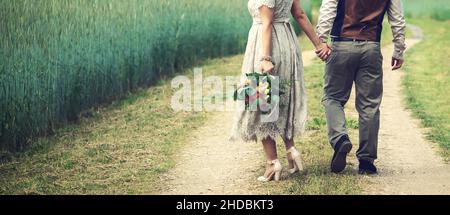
x: 427, y: 80
x: 121, y: 149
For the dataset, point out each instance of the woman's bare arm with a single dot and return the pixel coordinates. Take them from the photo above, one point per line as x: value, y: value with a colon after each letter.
x: 302, y: 19
x: 267, y: 27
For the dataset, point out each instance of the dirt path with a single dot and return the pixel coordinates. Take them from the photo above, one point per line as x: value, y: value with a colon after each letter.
x: 209, y: 164
x: 409, y: 164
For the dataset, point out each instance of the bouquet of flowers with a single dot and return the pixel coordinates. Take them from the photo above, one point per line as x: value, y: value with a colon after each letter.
x: 259, y: 92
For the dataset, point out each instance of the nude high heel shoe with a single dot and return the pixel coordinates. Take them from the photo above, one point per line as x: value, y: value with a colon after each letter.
x: 275, y: 174
x: 295, y: 155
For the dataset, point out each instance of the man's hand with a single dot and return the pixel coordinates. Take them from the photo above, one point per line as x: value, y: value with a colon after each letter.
x: 323, y: 51
x: 396, y: 63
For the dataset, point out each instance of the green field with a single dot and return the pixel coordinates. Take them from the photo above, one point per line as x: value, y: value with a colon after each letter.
x: 59, y: 58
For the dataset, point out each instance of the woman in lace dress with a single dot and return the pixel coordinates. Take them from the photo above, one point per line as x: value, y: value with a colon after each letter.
x: 273, y: 48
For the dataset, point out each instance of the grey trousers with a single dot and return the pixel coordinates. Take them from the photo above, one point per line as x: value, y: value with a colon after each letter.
x: 360, y: 63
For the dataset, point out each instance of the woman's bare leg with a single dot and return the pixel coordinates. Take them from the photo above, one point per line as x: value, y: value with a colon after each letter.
x: 289, y: 143
x: 270, y: 148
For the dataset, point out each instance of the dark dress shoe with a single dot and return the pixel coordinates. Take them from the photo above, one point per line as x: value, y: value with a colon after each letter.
x: 367, y: 168
x: 339, y: 160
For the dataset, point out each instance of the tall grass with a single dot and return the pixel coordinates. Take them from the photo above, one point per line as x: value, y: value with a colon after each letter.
x: 60, y: 57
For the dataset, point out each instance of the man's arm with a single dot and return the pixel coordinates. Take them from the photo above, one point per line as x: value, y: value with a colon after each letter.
x: 398, y: 25
x: 328, y: 12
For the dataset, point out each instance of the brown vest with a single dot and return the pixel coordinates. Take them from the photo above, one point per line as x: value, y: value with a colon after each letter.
x: 360, y: 19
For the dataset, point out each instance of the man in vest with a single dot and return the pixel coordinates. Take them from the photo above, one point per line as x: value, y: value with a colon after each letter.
x: 355, y: 27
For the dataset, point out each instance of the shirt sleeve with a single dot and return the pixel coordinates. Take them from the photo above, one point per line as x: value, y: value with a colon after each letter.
x: 328, y: 12
x: 398, y: 25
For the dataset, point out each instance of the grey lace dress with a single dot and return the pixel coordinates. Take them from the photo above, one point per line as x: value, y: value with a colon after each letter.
x: 286, y: 53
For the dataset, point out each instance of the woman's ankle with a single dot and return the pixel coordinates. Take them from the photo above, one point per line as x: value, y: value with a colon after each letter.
x: 288, y: 144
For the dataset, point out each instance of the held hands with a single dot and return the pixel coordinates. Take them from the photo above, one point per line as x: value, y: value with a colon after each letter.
x: 396, y: 63
x: 323, y: 51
